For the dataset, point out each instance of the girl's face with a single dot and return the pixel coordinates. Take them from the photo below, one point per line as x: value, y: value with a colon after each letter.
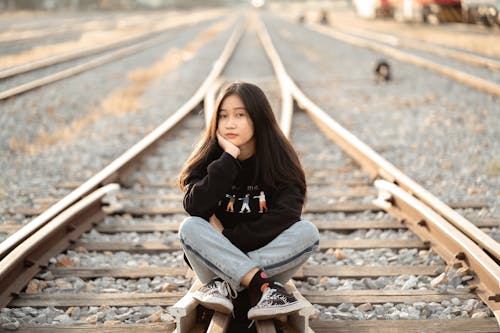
x: 235, y: 124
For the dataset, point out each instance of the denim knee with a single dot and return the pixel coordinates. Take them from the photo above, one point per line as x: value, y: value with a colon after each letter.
x: 307, y: 231
x: 190, y: 227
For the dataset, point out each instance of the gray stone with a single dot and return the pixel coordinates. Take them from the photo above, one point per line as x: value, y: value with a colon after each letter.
x: 75, y: 315
x: 344, y: 307
x: 365, y: 307
x: 63, y: 319
x: 11, y: 325
x: 18, y: 313
x: 411, y: 283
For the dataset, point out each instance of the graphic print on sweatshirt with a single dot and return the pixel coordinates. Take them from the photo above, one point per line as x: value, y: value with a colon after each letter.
x: 244, y: 200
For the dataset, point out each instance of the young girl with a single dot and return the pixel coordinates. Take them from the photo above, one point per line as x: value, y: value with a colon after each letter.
x: 244, y: 191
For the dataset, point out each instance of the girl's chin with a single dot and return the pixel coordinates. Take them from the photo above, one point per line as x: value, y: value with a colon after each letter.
x: 235, y: 142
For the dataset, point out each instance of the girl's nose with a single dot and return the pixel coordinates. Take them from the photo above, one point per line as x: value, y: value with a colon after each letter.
x: 230, y: 122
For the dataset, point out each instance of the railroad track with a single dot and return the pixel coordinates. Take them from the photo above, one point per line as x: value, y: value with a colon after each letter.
x: 448, y: 53
x: 28, y: 31
x: 421, y: 242
x: 429, y: 56
x: 81, y: 60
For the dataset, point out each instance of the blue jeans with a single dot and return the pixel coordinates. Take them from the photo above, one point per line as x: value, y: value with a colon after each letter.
x: 213, y: 255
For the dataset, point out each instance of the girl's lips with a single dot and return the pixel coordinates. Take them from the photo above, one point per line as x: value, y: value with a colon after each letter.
x: 231, y: 135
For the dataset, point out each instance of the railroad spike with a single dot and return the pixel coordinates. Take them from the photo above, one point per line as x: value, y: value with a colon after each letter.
x: 422, y: 223
x: 495, y: 298
x: 29, y: 262
x: 472, y: 288
x: 460, y: 256
x: 464, y: 270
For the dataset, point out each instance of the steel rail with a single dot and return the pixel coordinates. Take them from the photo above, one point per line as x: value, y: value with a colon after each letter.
x: 106, y: 58
x: 453, y: 245
x: 377, y: 166
x: 56, y: 59
x: 374, y: 164
x: 462, y: 77
x: 184, y: 309
x: 22, y: 263
x: 209, y: 101
x: 395, y: 41
x: 34, y: 30
x: 119, y: 169
x: 286, y: 110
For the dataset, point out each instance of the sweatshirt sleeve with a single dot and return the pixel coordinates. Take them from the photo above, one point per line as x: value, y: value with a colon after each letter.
x: 204, y: 189
x: 286, y: 210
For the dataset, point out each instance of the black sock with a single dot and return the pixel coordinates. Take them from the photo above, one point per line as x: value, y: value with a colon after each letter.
x: 259, y: 282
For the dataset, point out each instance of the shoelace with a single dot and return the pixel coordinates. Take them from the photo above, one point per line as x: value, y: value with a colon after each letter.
x: 269, y: 295
x: 226, y: 289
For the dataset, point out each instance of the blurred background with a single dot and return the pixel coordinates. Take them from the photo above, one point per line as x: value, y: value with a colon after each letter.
x: 484, y: 12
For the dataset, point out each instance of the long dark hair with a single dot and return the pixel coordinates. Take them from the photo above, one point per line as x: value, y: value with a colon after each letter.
x: 277, y: 161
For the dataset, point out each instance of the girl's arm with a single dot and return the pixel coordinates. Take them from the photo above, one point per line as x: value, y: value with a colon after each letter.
x: 285, y: 211
x: 204, y: 191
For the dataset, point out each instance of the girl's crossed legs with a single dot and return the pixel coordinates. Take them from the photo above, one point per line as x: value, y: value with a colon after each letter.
x: 221, y: 266
x: 212, y: 255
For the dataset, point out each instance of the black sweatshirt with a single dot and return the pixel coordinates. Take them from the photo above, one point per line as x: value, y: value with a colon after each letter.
x: 252, y: 213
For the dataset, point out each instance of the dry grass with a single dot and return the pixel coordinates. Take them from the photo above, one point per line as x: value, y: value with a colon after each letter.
x: 493, y: 168
x: 88, y: 39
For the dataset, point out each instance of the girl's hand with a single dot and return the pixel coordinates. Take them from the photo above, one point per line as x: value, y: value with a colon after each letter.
x: 227, y: 146
x: 216, y: 223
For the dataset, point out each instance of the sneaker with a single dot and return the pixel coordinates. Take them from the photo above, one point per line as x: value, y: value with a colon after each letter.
x: 216, y: 295
x: 275, y: 301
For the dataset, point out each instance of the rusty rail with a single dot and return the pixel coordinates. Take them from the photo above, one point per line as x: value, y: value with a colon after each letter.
x: 119, y: 169
x: 396, y: 41
x: 111, y: 56
x: 488, y: 271
x: 374, y: 164
x: 19, y: 266
x: 59, y: 58
x: 462, y: 77
x: 452, y: 245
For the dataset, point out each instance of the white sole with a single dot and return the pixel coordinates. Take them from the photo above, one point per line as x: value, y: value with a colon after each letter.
x: 214, y: 303
x: 261, y: 314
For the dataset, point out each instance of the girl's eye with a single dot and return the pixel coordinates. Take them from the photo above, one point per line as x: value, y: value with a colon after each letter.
x: 222, y: 115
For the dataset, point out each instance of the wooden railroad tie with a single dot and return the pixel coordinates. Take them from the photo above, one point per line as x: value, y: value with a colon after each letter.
x: 347, y: 207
